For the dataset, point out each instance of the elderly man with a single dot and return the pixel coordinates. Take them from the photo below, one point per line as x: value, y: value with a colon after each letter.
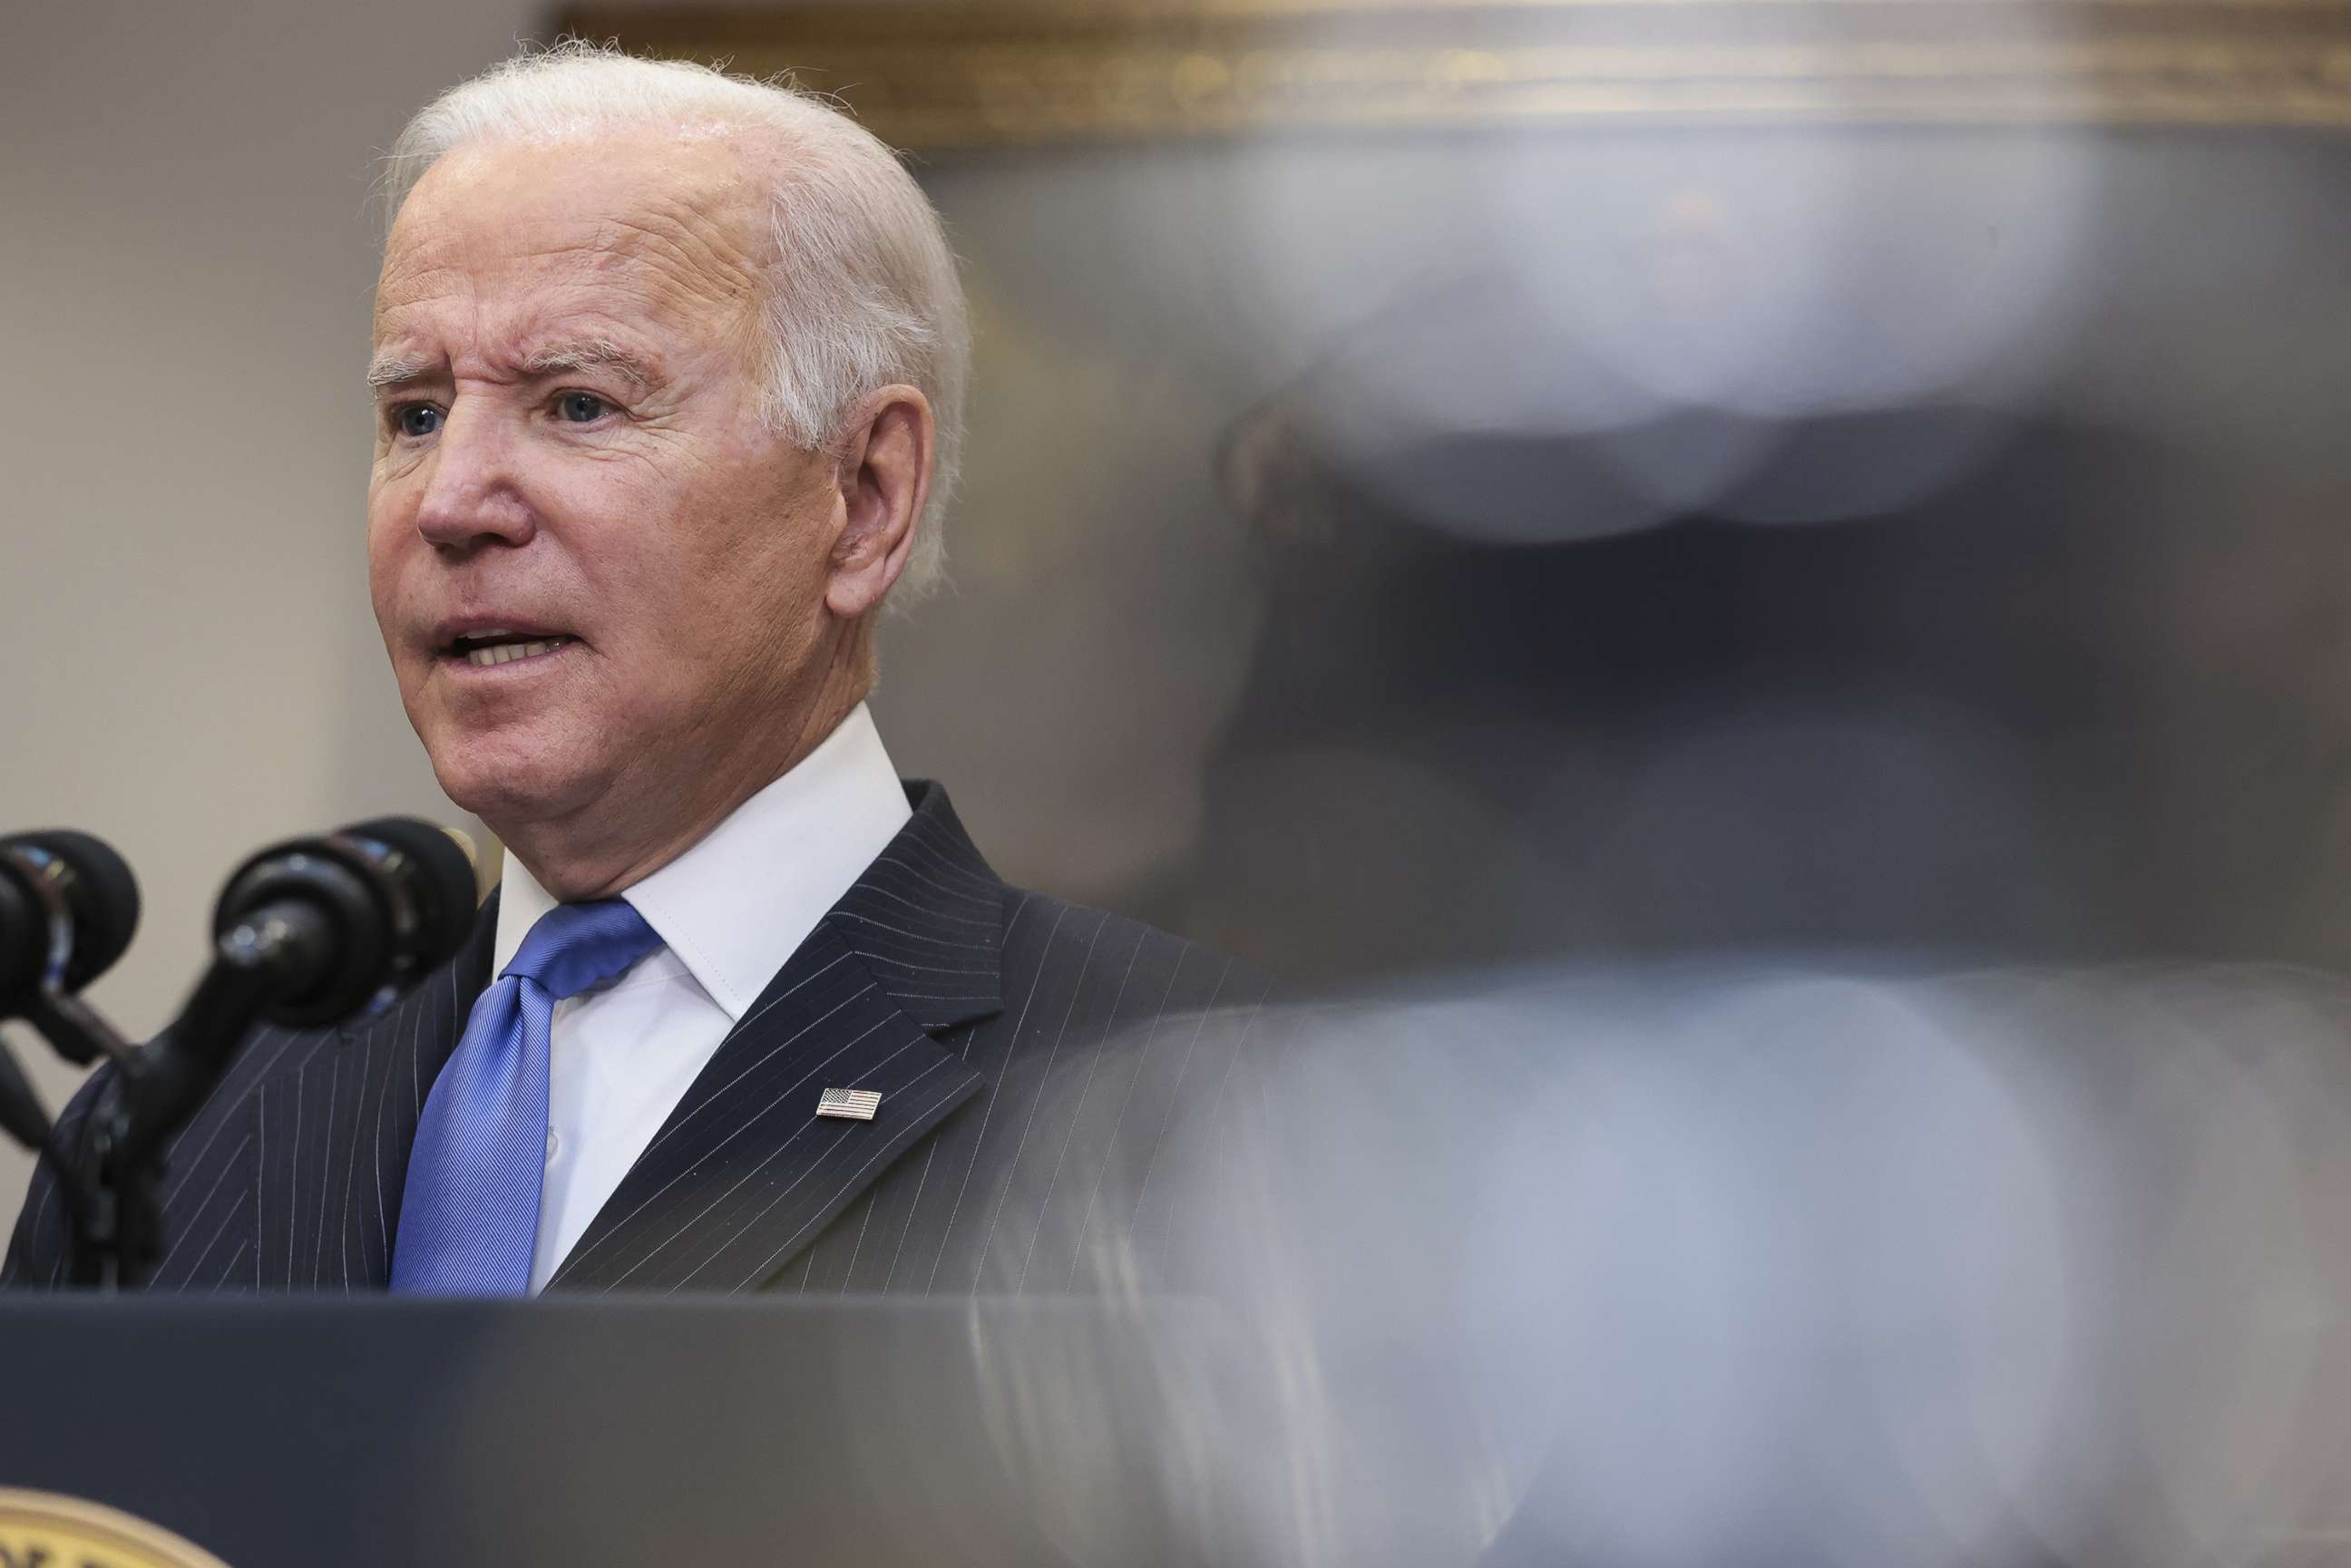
x: 669, y: 370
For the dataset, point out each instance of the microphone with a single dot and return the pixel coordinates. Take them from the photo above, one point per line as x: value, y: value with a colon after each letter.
x: 306, y: 934
x: 69, y: 907
x: 348, y: 921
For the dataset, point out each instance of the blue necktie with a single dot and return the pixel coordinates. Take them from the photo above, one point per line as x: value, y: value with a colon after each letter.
x: 469, y: 1214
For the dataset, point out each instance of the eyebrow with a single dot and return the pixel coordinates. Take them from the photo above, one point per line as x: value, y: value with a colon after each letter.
x: 555, y: 360
x: 588, y: 354
x: 391, y: 370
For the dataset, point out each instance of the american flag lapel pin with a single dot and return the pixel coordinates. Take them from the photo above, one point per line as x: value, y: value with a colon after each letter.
x: 849, y: 1104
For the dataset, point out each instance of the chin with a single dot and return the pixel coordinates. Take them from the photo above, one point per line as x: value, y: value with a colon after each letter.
x: 504, y: 783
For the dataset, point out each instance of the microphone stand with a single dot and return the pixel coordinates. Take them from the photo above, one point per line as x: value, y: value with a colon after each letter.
x: 307, y: 933
x: 22, y: 1115
x: 94, y: 1205
x: 256, y: 963
x: 79, y: 1033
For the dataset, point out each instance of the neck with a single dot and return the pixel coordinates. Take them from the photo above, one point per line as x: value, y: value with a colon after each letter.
x: 602, y: 850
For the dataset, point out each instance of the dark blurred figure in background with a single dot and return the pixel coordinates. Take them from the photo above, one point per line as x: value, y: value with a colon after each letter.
x: 1864, y: 543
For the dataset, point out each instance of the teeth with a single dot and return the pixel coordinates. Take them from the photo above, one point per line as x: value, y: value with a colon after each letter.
x: 507, y: 652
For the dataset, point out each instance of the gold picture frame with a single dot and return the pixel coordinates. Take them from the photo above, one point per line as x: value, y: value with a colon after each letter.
x: 939, y: 77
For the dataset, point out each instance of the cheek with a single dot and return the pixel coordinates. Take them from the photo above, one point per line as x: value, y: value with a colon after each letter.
x: 398, y: 562
x: 382, y: 564
x: 615, y: 576
x: 783, y: 521
x: 673, y: 553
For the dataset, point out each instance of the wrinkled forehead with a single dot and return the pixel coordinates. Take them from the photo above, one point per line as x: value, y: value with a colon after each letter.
x: 671, y: 226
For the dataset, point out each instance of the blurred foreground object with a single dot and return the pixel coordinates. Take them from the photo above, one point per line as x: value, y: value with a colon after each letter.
x: 1735, y: 1263
x: 1691, y: 1267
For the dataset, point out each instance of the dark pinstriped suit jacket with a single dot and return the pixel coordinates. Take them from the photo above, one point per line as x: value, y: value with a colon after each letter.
x: 1039, y: 1063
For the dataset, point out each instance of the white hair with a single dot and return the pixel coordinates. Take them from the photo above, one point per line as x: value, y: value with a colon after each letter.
x: 864, y: 294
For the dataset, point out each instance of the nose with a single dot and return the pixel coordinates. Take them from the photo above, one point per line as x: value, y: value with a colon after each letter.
x: 473, y: 495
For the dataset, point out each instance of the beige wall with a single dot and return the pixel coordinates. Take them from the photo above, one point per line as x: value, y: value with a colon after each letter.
x: 187, y: 663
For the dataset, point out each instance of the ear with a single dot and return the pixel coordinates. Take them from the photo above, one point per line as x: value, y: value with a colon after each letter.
x: 884, y: 472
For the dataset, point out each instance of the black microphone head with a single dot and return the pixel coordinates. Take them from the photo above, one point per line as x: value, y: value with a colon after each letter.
x: 100, y: 892
x: 443, y: 883
x: 386, y: 902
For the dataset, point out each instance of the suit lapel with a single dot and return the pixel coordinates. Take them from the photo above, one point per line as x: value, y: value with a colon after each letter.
x: 336, y: 1118
x: 743, y: 1173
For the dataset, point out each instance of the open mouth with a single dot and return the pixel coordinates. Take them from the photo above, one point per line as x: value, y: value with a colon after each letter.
x: 497, y: 645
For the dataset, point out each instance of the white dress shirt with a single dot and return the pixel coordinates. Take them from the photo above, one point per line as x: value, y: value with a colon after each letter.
x: 729, y: 911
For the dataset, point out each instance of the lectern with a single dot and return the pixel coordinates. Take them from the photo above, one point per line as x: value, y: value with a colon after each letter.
x: 296, y: 1433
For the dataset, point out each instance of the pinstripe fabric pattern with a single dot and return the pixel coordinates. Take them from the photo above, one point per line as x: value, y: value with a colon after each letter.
x: 1045, y: 1071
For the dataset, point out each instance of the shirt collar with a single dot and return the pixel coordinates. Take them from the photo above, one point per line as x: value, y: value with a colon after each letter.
x: 739, y: 902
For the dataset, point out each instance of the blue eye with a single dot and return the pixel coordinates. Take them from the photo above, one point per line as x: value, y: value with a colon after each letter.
x: 418, y: 420
x: 582, y: 408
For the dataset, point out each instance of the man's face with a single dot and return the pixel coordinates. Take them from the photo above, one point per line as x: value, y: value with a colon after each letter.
x: 597, y: 573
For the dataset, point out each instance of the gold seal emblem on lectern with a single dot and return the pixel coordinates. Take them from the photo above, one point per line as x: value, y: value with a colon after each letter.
x: 42, y: 1530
